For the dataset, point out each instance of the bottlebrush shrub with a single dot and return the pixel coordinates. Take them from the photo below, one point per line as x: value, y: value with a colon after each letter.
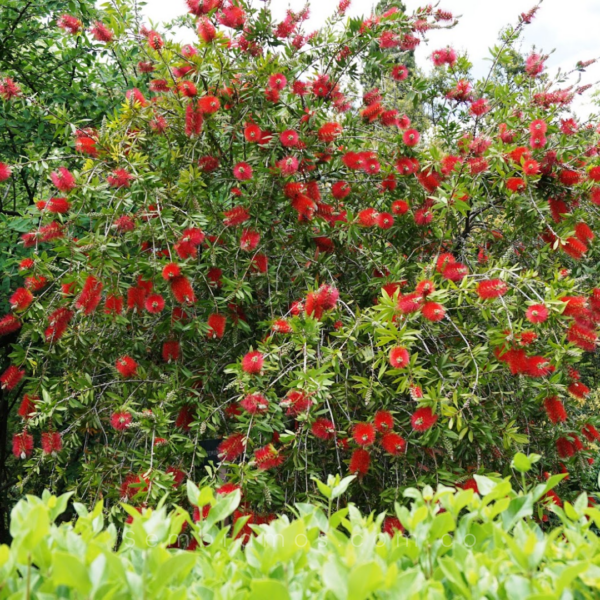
x: 436, y: 546
x: 269, y: 263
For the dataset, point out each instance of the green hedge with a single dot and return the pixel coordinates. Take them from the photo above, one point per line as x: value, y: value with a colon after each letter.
x: 457, y: 544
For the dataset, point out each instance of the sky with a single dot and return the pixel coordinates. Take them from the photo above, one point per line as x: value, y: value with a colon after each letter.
x: 569, y: 27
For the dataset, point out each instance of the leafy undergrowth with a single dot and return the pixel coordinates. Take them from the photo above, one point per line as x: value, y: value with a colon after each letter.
x: 443, y: 544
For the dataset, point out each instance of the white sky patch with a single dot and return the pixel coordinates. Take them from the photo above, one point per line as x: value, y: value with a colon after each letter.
x: 569, y: 27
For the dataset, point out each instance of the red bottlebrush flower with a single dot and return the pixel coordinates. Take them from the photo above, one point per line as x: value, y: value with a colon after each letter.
x: 155, y: 41
x: 399, y: 207
x: 121, y: 420
x: 216, y: 326
x: 359, y: 461
x: 591, y: 433
x: 423, y: 419
x: 214, y: 277
x: 515, y: 184
x: 209, y: 105
x: 252, y: 133
x: 231, y: 447
x: 27, y: 407
x: 324, y: 429
x: 480, y: 107
x: 279, y: 326
x: 407, y: 166
x: 132, y: 485
x: 583, y: 233
x: 393, y: 443
x: 364, y: 434
x: 51, y: 442
x: 399, y: 73
x: 35, y: 284
x: 531, y: 167
x: 433, y: 311
x: 206, y: 30
x: 327, y: 297
x: 340, y: 190
x: 22, y: 445
x: 69, y: 23
x: 491, y: 288
x: 569, y: 177
x: 445, y: 56
x: 63, y: 179
x: 145, y: 67
x: 289, y: 138
x: 154, y: 303
x: 252, y: 362
x: 555, y: 410
x: 277, y: 82
x: 384, y: 421
x: 391, y: 525
x: 272, y: 95
x: 11, y: 378
x: 54, y: 205
x: 124, y: 223
x: 156, y: 85
x: 58, y: 323
x: 296, y: 402
x: 582, y: 337
x: 330, y: 131
x: 385, y: 220
x: 568, y: 126
x: 101, y: 32
x: 26, y: 263
x: 268, y: 457
x: 579, y: 390
x: 410, y: 303
x: 575, y: 305
x: 411, y: 137
x: 232, y: 16
x: 538, y: 366
x: 477, y: 165
x: 208, y: 164
x: 425, y: 287
x: 249, y: 240
x: 119, y: 178
x: 5, y: 171
x: 288, y: 166
x: 594, y: 173
x: 171, y: 271
x: 537, y: 313
x: 399, y: 357
x: 9, y: 89
x: 574, y: 248
x: 368, y: 217
x: 534, y: 64
x: 171, y: 351
x: 90, y: 295
x: 565, y: 448
x: 423, y: 216
x: 86, y: 145
x: 260, y: 263
x: 193, y: 121
x: 185, y: 417
x: 242, y: 171
x: 126, y: 366
x: 135, y: 298
x: 255, y: 404
x: 182, y: 290
x: 21, y: 299
x: 178, y: 476
x: 304, y: 206
x: 9, y: 324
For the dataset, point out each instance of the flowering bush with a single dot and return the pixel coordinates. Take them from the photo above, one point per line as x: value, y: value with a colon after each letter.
x: 257, y: 254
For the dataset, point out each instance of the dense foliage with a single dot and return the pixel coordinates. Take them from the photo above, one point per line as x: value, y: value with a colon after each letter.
x: 444, y: 544
x: 256, y: 253
x: 50, y: 84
